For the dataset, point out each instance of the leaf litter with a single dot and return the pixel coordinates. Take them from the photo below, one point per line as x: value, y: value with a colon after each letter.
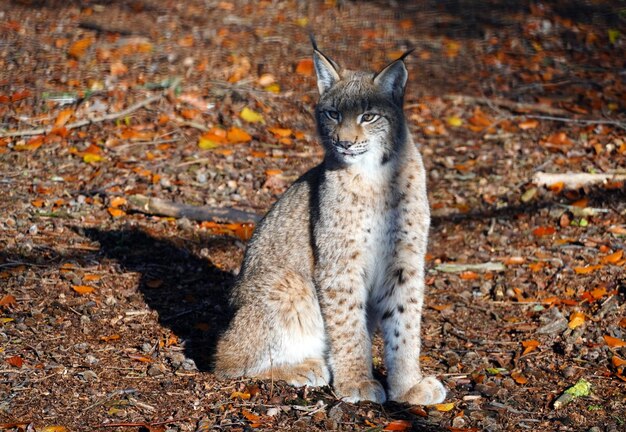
x: 213, y: 109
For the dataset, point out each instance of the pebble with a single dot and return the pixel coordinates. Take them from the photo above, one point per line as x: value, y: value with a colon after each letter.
x: 33, y: 230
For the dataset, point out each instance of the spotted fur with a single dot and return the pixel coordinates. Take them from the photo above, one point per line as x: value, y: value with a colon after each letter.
x: 341, y: 254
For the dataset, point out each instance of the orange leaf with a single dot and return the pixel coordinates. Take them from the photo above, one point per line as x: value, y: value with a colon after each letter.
x: 78, y: 48
x: 8, y: 301
x: 53, y: 428
x: 398, y: 425
x: 140, y: 358
x: 581, y: 203
x: 236, y: 135
x: 556, y: 187
x: 63, y: 117
x: 469, y: 275
x: 273, y: 171
x: 444, y: 407
x: 528, y: 124
x: 576, y: 319
x: 83, y: 289
x: 418, y: 411
x: 280, y: 132
x: 33, y: 144
x: 110, y: 338
x: 117, y: 202
x: 622, y: 323
x: 514, y: 260
x: 16, y: 361
x: 518, y: 377
x: 617, y: 362
x: 250, y: 415
x: 479, y: 119
x: 115, y: 212
x: 91, y: 277
x: 441, y: 307
x: 544, y: 231
x: 587, y: 269
x: 529, y: 346
x: 240, y: 395
x: 614, y: 342
x: 613, y: 258
x: 305, y: 67
x: 537, y: 266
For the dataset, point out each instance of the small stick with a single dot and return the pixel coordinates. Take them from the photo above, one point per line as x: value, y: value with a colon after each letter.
x: 513, y: 106
x: 158, y: 206
x: 575, y: 180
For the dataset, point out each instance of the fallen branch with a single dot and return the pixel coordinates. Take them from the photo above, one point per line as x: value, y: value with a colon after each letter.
x: 160, y: 207
x: 575, y: 180
x: 520, y: 107
x: 458, y: 268
x: 113, y: 116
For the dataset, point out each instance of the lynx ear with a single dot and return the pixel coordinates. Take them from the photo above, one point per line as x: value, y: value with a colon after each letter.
x: 392, y: 79
x: 327, y: 70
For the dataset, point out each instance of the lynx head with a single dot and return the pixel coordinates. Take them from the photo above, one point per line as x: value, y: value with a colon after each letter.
x: 359, y: 114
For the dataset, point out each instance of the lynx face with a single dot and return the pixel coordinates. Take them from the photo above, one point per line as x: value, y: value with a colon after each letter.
x: 359, y: 115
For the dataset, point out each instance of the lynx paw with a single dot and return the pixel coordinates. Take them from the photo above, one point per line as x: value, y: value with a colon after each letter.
x: 426, y: 392
x: 311, y: 372
x: 368, y: 390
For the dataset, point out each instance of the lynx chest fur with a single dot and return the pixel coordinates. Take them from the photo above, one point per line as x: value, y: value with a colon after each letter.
x: 341, y: 254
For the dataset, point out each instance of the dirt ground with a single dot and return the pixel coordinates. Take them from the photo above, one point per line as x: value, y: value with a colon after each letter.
x: 108, y: 314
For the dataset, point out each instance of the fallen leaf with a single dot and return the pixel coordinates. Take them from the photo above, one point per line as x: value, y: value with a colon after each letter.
x: 251, y: 116
x: 528, y: 124
x: 587, y: 269
x: 444, y: 407
x: 418, y: 411
x: 116, y: 212
x: 514, y: 260
x: 614, y: 342
x: 117, y: 202
x: 305, y: 67
x: 235, y: 135
x: 5, y: 320
x: 63, y: 117
x: 398, y: 425
x: 140, y: 358
x: 54, y: 428
x: 454, y: 121
x: 617, y: 362
x: 518, y: 377
x: 91, y: 277
x: 83, y: 289
x: 78, y: 48
x: 613, y: 258
x: 240, y: 395
x: 110, y: 338
x: 8, y: 301
x: 543, y: 231
x: 280, y: 132
x: 622, y: 323
x: 273, y: 172
x: 469, y: 275
x: 529, y: 346
x: 32, y: 144
x: 250, y: 416
x: 16, y: 361
x: 576, y: 319
x: 91, y: 158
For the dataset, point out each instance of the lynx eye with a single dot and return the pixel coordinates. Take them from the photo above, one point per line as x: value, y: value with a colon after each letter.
x: 368, y: 118
x: 333, y: 115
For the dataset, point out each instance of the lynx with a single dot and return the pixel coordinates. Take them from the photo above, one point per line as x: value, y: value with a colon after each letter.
x: 341, y: 254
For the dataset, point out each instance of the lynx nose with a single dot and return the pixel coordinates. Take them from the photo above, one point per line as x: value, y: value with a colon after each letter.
x: 344, y: 144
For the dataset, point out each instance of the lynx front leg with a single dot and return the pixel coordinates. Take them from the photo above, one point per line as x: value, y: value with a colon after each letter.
x: 342, y: 300
x: 400, y: 311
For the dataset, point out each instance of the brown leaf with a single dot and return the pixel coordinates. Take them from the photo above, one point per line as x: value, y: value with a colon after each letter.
x: 613, y: 258
x: 240, y: 395
x: 110, y: 338
x: 83, y: 289
x: 518, y: 377
x: 16, y: 361
x: 78, y: 48
x: 544, y: 231
x: 63, y: 117
x: 54, y: 428
x: 140, y: 358
x: 529, y: 346
x: 117, y: 201
x: 614, y: 342
x: 587, y: 269
x: 305, y: 67
x: 398, y: 425
x: 8, y: 301
x: 115, y: 212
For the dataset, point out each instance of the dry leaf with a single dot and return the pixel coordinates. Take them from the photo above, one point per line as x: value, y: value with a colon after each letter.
x: 587, y: 269
x: 544, y: 231
x: 16, y: 361
x: 240, y: 395
x: 83, y: 289
x: 518, y: 377
x: 613, y: 258
x: 140, y: 358
x: 280, y: 132
x: 110, y: 338
x: 576, y: 319
x: 116, y: 212
x: 528, y: 124
x: 305, y: 67
x: 78, y: 48
x: 444, y: 407
x: 63, y: 117
x: 117, y: 202
x: 235, y: 135
x: 514, y: 260
x: 529, y: 346
x: 469, y: 275
x: 8, y: 301
x: 398, y: 425
x: 54, y: 428
x: 251, y: 116
x: 614, y: 342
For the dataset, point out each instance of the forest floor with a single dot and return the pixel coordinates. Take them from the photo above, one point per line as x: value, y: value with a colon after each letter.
x: 108, y: 315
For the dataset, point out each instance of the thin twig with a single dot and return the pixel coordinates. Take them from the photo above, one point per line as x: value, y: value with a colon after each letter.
x: 617, y: 123
x: 113, y: 116
x: 511, y: 105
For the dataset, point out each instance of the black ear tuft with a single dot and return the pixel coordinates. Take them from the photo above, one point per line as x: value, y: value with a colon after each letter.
x: 392, y: 79
x: 326, y: 69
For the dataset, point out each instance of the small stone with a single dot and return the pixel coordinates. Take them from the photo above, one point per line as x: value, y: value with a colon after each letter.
x: 33, y: 230
x: 272, y: 412
x: 459, y: 422
x: 554, y: 322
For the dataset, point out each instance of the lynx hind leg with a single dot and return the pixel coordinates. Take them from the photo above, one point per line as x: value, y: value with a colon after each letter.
x: 278, y: 335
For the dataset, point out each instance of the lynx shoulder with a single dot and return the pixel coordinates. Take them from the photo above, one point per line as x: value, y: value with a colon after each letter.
x: 341, y: 254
